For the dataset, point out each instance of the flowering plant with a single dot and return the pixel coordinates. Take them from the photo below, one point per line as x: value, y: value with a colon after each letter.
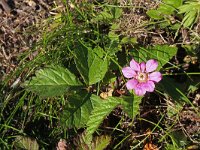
x: 142, y: 76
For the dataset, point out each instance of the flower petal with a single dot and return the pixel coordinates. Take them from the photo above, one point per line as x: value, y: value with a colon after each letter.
x: 131, y: 84
x: 151, y: 65
x: 155, y: 76
x: 128, y: 72
x: 134, y: 65
x: 139, y: 90
x: 142, y: 66
x: 149, y: 86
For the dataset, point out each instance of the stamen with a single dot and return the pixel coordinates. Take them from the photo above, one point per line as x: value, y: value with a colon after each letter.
x: 142, y: 77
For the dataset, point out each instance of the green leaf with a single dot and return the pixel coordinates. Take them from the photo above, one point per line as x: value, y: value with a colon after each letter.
x: 154, y: 14
x: 115, y: 26
x: 22, y: 142
x: 166, y: 9
x: 190, y: 11
x: 101, y: 142
x: 187, y: 7
x: 109, y: 13
x: 127, y: 40
x: 113, y: 36
x: 99, y: 52
x: 90, y: 64
x: 184, y: 8
x: 189, y: 18
x: 165, y: 24
x: 174, y: 3
x: 99, y: 113
x: 131, y: 105
x: 78, y: 109
x: 110, y: 77
x: 162, y: 53
x: 103, y: 16
x: 52, y: 81
x: 113, y: 47
x: 117, y: 12
x: 175, y: 26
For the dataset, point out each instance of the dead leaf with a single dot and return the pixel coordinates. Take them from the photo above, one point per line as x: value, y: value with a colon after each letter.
x: 150, y: 146
x: 104, y: 95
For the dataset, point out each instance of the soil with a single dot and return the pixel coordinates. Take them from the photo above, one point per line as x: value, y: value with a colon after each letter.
x: 20, y: 28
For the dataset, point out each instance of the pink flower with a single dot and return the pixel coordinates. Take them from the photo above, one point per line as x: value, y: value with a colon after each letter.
x: 142, y: 76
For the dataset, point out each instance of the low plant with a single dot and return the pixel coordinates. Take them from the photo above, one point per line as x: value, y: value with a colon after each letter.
x: 76, y: 81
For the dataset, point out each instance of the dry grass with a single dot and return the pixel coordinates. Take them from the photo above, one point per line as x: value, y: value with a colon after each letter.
x: 134, y: 21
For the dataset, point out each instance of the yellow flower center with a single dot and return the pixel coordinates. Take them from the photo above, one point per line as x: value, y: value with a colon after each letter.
x: 142, y: 77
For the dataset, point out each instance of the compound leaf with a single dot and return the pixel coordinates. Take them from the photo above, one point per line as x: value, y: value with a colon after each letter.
x: 162, y: 53
x: 91, y: 67
x: 52, y: 81
x: 131, y: 105
x: 99, y: 113
x: 78, y: 109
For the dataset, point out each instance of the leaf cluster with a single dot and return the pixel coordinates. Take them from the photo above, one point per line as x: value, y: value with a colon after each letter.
x: 169, y: 9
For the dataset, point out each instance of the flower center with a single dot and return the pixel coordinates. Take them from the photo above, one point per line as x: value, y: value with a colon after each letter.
x: 142, y: 77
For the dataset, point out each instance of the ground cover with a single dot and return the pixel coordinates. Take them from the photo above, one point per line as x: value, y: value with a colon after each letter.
x: 100, y: 75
